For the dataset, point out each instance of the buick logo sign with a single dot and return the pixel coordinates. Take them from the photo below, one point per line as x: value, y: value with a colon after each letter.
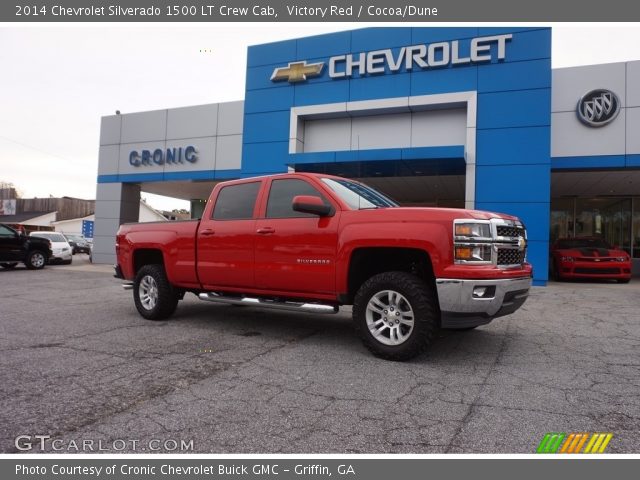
x: 598, y: 107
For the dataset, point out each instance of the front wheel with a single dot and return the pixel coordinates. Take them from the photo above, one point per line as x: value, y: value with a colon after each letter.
x: 153, y: 295
x: 396, y: 315
x: 36, y: 260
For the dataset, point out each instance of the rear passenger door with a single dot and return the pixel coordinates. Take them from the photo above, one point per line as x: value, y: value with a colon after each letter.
x: 225, y: 243
x: 295, y: 252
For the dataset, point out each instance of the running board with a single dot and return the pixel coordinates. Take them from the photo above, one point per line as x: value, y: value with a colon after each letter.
x: 257, y: 302
x: 127, y: 286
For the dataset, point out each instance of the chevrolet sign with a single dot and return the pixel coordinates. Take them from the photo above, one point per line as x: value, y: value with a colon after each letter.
x: 434, y: 55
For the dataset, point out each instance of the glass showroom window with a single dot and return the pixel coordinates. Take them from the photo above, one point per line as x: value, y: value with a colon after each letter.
x: 605, y: 217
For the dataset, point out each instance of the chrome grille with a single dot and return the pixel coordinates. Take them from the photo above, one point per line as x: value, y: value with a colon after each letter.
x: 510, y: 256
x: 509, y: 231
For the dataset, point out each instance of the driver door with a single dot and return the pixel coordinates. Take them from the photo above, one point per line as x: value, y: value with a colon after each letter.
x: 10, y: 245
x: 294, y: 251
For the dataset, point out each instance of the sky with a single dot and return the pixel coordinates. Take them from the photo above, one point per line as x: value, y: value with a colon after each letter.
x: 57, y: 81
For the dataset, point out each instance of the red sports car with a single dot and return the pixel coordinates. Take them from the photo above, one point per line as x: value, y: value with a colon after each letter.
x: 589, y: 257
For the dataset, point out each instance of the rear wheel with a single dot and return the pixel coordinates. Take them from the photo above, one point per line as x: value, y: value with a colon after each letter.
x: 9, y: 266
x: 153, y: 295
x: 396, y: 315
x: 35, y: 260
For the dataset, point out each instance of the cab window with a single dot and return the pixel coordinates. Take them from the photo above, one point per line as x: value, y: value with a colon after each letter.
x: 6, y: 232
x: 236, y: 202
x: 281, y: 196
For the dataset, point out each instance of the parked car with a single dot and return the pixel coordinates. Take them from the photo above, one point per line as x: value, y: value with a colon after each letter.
x: 16, y: 247
x: 78, y: 243
x: 310, y: 243
x: 589, y: 257
x: 62, y: 251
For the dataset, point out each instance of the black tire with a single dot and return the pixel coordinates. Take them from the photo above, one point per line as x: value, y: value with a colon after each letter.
x: 36, y: 260
x: 161, y: 298
x: 9, y: 266
x: 418, y: 297
x: 68, y: 262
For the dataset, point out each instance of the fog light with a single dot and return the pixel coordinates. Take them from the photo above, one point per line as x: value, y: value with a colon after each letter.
x: 484, y: 292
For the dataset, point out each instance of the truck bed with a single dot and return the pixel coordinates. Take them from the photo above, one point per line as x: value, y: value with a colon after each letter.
x: 177, y: 241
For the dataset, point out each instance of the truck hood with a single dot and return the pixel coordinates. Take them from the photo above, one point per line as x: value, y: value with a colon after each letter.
x: 408, y: 213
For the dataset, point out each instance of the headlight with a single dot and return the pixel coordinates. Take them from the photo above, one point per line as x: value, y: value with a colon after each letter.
x: 621, y: 259
x: 473, y: 253
x: 567, y: 259
x: 472, y: 230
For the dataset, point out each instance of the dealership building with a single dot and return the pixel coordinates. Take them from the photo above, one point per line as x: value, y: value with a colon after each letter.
x: 455, y: 117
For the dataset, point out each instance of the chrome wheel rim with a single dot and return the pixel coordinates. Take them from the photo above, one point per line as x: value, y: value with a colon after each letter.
x: 390, y: 317
x: 148, y: 292
x: 37, y: 260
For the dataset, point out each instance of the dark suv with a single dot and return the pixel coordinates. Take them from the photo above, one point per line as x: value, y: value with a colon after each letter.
x: 16, y: 247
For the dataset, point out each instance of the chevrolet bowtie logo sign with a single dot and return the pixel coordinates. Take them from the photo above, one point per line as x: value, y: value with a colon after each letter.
x: 297, y: 71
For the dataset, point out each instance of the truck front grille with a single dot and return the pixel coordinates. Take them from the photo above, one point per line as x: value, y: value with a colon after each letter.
x: 509, y: 231
x: 510, y: 256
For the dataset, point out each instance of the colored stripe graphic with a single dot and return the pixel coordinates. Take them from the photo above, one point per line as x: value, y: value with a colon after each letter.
x: 598, y: 443
x: 573, y: 442
x: 578, y: 447
x: 551, y: 442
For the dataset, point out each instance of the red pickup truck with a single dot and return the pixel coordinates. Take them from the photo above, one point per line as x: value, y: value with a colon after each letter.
x: 312, y: 242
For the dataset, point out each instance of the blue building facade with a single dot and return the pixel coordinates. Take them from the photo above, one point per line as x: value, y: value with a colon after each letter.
x: 507, y: 147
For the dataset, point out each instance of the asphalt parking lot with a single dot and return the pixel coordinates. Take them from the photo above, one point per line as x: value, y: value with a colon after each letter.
x: 78, y: 363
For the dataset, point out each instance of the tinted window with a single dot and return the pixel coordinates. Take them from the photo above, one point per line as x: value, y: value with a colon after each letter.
x: 6, y: 231
x: 236, y: 202
x: 358, y: 195
x: 281, y: 197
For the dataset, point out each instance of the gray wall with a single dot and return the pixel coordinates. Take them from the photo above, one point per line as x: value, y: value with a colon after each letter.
x: 214, y: 129
x: 571, y: 138
x: 398, y: 130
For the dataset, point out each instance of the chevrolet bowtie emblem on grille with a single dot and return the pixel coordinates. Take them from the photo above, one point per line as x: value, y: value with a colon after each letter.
x: 522, y: 243
x: 297, y: 71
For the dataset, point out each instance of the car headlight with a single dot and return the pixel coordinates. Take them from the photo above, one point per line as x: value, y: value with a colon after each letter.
x: 473, y: 253
x: 472, y: 241
x: 567, y: 259
x: 465, y: 230
x: 621, y: 259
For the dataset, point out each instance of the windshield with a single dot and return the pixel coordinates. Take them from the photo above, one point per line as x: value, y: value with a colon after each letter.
x: 54, y: 237
x: 75, y: 238
x: 358, y: 195
x: 583, y: 243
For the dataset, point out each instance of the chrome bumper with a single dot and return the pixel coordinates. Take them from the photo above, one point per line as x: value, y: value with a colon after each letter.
x: 469, y: 303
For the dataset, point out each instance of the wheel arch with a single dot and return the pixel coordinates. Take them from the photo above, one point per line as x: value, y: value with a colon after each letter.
x: 146, y: 256
x: 365, y: 262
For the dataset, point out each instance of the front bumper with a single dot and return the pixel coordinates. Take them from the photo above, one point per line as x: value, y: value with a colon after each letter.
x: 469, y: 303
x: 605, y: 270
x: 60, y: 256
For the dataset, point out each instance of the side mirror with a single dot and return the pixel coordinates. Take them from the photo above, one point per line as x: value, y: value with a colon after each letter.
x: 311, y: 204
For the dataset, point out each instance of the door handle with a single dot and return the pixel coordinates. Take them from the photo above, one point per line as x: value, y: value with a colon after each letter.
x: 265, y: 230
x: 206, y: 232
